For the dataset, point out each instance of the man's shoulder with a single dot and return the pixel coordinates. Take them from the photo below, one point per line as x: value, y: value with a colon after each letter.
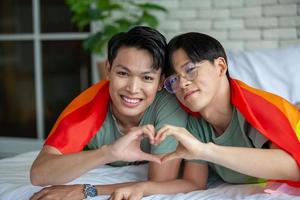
x: 164, y: 97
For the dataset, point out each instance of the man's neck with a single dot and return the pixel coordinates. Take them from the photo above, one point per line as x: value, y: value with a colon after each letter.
x: 125, y: 123
x: 219, y: 112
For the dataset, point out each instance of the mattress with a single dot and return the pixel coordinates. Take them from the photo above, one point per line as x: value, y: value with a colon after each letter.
x: 15, y: 183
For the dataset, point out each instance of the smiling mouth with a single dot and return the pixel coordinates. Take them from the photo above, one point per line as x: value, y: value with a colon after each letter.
x: 130, y: 101
x: 189, y: 94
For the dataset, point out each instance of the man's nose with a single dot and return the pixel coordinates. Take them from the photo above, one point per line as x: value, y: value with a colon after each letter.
x: 133, y: 85
x: 183, y: 82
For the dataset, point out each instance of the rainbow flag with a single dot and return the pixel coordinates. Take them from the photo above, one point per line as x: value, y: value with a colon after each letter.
x: 80, y: 120
x: 274, y: 117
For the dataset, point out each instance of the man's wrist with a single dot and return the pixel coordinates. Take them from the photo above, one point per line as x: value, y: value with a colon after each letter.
x: 207, y: 152
x: 142, y: 187
x: 89, y: 190
x: 107, y: 154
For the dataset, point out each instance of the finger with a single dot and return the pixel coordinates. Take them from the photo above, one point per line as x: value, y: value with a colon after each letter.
x: 162, y: 134
x: 118, y: 196
x: 38, y: 195
x: 134, y: 197
x: 151, y: 157
x: 181, y: 134
x: 111, y: 196
x: 152, y: 130
x: 149, y: 132
x: 168, y: 157
x: 41, y: 193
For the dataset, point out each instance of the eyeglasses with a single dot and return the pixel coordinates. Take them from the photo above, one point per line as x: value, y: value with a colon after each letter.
x: 172, y: 83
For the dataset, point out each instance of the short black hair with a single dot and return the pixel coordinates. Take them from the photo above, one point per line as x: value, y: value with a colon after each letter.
x: 198, y: 47
x: 140, y: 37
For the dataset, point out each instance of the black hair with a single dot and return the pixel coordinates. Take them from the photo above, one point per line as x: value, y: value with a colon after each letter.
x: 197, y: 46
x: 140, y: 37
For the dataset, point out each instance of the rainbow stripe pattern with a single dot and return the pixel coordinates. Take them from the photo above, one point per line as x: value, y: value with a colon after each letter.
x: 80, y: 120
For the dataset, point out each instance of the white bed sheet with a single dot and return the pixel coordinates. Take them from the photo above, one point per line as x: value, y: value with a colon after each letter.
x: 15, y: 183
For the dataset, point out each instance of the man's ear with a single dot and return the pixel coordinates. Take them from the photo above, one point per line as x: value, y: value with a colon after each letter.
x: 161, y: 82
x: 221, y: 63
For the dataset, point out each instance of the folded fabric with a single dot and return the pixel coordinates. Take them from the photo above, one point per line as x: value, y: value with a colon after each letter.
x: 80, y: 120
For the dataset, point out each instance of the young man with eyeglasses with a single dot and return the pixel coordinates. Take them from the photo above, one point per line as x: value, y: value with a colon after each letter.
x: 243, y: 134
x: 111, y: 119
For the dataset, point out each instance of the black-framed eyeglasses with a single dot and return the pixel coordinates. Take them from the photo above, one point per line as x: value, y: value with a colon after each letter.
x: 172, y: 83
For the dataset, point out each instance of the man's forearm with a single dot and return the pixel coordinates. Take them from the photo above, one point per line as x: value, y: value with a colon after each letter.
x: 152, y: 187
x: 109, y: 189
x: 263, y: 163
x: 59, y: 169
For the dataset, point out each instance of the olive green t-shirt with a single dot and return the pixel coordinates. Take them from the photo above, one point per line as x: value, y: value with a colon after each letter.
x: 164, y: 110
x: 239, y: 133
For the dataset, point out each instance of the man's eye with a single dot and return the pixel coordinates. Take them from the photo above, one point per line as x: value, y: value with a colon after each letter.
x: 148, y: 78
x: 190, y: 69
x: 121, y: 73
x: 174, y: 79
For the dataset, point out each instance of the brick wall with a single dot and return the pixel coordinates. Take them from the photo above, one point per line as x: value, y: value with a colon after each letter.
x: 237, y: 24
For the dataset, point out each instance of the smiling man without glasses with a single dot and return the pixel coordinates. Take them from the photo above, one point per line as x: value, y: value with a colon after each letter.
x: 111, y: 118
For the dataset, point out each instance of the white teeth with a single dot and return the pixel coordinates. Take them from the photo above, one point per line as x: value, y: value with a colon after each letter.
x: 132, y: 101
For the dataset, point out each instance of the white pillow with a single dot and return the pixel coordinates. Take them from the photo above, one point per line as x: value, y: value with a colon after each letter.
x: 276, y: 70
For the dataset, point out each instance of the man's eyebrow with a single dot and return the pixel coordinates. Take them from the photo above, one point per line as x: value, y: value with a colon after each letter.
x: 151, y: 71
x: 123, y: 67
x: 185, y: 64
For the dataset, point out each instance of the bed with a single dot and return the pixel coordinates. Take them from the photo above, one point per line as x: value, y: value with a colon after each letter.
x: 273, y: 70
x: 15, y: 184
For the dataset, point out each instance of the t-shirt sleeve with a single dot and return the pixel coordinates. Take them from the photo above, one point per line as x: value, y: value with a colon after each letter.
x: 258, y: 139
x: 194, y: 127
x: 168, y: 112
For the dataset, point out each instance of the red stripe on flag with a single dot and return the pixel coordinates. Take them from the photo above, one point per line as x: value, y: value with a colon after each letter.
x: 79, y: 127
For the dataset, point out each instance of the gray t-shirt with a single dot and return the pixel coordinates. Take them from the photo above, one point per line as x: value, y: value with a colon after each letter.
x: 239, y: 133
x: 164, y: 110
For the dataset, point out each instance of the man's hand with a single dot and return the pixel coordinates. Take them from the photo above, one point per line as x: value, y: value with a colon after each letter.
x: 189, y: 147
x: 65, y: 192
x: 127, y: 148
x: 133, y: 192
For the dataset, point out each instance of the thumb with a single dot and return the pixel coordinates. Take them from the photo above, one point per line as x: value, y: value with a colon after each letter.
x: 150, y: 157
x: 169, y: 156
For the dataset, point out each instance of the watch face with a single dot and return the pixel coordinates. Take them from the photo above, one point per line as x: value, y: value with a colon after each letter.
x: 90, y: 191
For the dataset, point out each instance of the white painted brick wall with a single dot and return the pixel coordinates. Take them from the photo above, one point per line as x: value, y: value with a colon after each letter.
x: 196, y: 25
x: 183, y: 14
x: 259, y: 2
x: 244, y: 34
x: 220, y: 34
x: 195, y: 4
x: 265, y: 44
x: 280, y: 10
x: 246, y: 12
x: 213, y: 13
x: 289, y: 1
x: 286, y: 33
x: 169, y: 4
x: 237, y: 24
x: 228, y: 24
x: 227, y: 3
x: 289, y: 21
x: 268, y: 22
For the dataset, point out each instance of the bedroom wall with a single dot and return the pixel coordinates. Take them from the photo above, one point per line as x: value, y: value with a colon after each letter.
x: 237, y: 24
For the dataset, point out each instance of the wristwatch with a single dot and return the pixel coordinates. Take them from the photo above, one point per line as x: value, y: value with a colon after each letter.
x: 89, y: 190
